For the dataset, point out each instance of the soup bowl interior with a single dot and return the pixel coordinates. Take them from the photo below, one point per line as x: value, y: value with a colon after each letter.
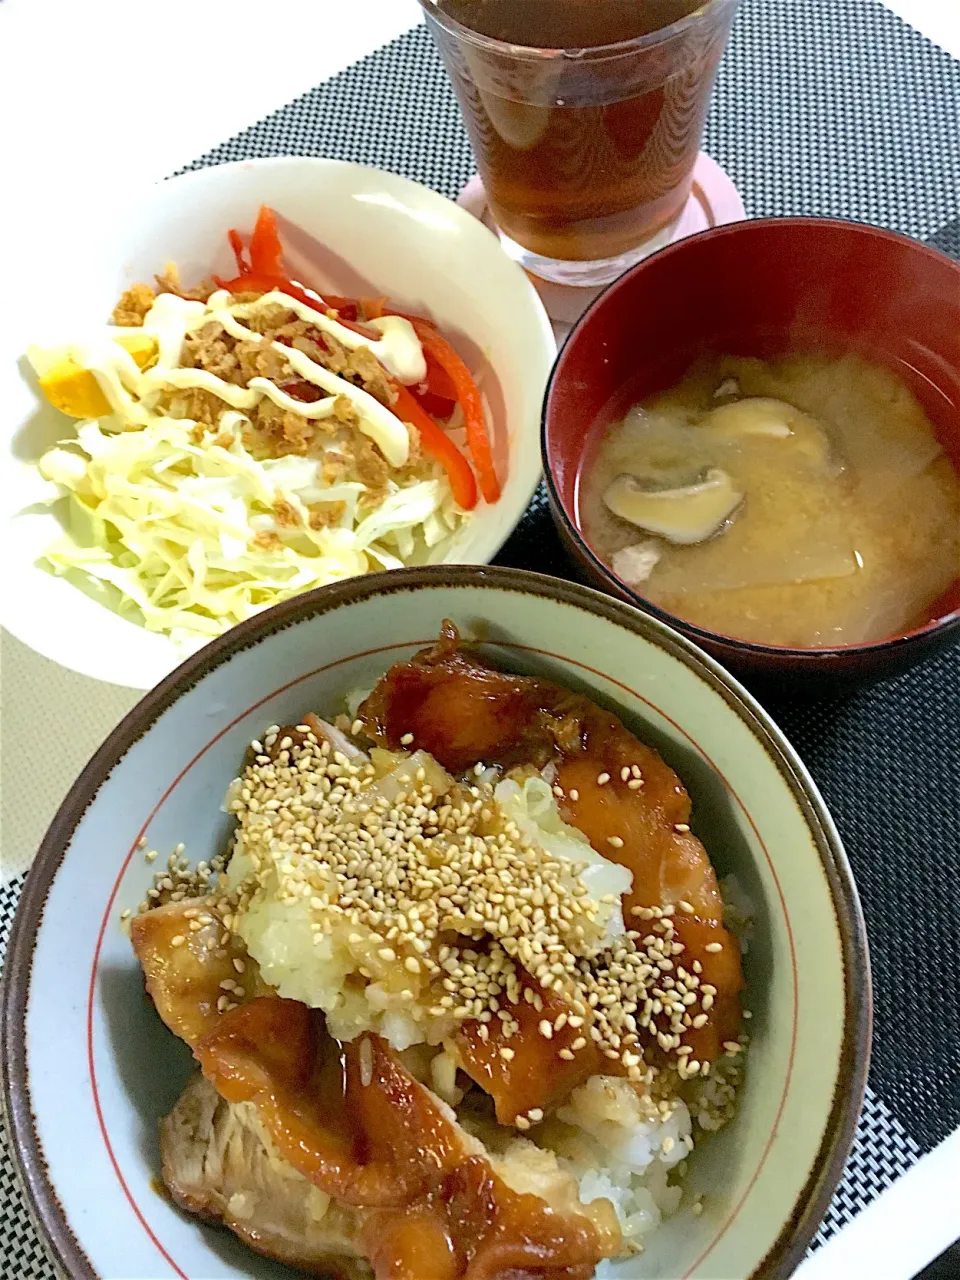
x: 762, y: 288
x: 87, y: 1137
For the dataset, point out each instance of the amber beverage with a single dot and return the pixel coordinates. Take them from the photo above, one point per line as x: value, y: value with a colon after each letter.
x: 586, y: 117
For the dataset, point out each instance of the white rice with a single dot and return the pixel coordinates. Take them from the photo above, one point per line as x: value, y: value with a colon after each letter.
x: 621, y: 1149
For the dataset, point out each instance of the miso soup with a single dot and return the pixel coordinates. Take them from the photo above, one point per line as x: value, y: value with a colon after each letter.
x: 802, y: 502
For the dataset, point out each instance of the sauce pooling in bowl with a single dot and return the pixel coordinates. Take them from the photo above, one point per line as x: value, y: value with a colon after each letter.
x: 801, y: 502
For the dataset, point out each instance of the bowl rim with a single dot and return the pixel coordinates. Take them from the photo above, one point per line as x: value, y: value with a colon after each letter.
x: 890, y: 646
x: 811, y: 1203
x: 585, y: 55
x: 495, y: 522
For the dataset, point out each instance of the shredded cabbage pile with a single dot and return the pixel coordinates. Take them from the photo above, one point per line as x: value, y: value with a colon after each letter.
x: 165, y: 530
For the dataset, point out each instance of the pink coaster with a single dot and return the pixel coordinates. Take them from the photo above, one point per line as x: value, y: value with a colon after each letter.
x: 713, y: 201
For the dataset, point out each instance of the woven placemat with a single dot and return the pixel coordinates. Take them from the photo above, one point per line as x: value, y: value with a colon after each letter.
x: 835, y: 109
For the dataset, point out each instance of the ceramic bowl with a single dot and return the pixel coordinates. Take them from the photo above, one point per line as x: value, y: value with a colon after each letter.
x: 763, y: 288
x: 89, y: 1069
x: 354, y: 230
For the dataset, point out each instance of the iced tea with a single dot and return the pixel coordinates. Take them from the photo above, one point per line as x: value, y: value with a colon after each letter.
x: 585, y: 115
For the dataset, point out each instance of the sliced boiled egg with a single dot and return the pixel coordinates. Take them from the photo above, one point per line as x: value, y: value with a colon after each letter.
x: 75, y: 390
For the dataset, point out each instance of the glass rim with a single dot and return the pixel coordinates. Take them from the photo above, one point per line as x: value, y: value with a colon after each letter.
x: 592, y: 53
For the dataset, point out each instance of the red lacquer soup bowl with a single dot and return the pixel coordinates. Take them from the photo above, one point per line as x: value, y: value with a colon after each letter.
x: 763, y: 288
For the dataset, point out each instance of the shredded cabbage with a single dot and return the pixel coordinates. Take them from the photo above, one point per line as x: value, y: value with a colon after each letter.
x: 185, y: 537
x: 533, y: 808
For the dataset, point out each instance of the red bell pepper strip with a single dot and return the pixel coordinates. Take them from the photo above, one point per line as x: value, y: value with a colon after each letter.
x: 266, y: 271
x: 438, y: 445
x: 436, y: 393
x: 266, y: 251
x: 438, y: 382
x: 236, y: 244
x: 478, y: 442
x: 255, y: 282
x: 437, y: 406
x: 440, y: 353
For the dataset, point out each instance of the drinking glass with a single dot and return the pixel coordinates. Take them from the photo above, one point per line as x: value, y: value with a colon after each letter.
x: 586, y: 152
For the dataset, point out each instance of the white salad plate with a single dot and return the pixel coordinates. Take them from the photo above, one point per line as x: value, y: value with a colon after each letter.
x: 354, y: 230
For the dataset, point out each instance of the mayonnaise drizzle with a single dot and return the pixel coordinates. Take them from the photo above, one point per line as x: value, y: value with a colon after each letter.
x: 130, y: 391
x: 399, y: 349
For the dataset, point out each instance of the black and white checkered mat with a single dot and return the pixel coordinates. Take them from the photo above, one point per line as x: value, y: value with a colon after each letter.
x: 836, y: 109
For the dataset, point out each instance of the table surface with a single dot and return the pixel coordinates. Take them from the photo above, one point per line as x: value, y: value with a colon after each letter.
x: 97, y: 54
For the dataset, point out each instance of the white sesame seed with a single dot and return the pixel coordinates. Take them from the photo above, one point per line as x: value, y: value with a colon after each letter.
x: 366, y: 1062
x: 178, y: 940
x: 615, y: 842
x: 625, y: 773
x: 151, y: 856
x: 713, y: 947
x: 546, y: 1029
x: 356, y: 728
x: 406, y: 740
x: 681, y: 827
x: 602, y: 779
x: 574, y: 794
